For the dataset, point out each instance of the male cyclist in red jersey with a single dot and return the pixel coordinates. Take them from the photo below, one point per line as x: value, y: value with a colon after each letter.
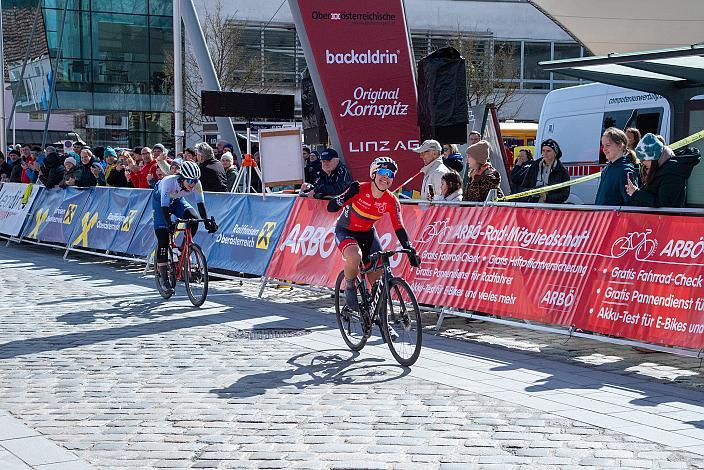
x: 364, y: 204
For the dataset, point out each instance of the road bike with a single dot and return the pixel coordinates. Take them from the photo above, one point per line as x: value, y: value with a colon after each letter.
x: 186, y: 263
x: 391, y: 304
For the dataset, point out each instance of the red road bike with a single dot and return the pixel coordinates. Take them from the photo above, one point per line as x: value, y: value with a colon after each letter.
x: 186, y: 263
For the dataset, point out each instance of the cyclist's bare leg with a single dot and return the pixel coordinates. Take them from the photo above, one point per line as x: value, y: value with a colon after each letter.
x: 352, y: 256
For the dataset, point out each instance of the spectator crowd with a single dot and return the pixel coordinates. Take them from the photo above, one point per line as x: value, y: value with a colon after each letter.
x: 641, y: 170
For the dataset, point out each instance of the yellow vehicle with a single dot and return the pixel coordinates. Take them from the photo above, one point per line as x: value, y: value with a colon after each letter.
x: 519, y: 134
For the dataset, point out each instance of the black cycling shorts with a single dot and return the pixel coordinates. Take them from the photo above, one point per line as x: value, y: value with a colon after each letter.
x: 368, y: 241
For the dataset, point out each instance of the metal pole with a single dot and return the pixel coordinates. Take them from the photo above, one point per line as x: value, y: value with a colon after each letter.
x: 178, y: 80
x: 205, y: 65
x: 30, y: 40
x: 54, y: 76
x: 3, y: 134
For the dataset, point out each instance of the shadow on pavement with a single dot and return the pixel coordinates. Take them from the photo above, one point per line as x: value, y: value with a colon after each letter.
x: 323, y: 367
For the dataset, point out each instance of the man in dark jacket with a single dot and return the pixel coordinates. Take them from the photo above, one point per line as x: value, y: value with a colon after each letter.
x: 52, y: 172
x: 16, y: 170
x: 332, y: 180
x: 547, y: 171
x: 313, y: 166
x: 212, y: 173
x: 5, y: 168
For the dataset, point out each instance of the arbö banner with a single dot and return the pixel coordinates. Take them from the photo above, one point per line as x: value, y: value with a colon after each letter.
x: 598, y: 271
x: 360, y: 61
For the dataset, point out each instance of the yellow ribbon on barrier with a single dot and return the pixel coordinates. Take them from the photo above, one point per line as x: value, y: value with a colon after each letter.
x: 687, y: 140
x: 532, y: 192
x: 39, y: 218
x: 87, y: 223
x: 544, y: 189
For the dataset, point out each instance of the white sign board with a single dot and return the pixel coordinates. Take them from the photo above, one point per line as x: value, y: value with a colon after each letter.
x: 281, y: 157
x: 14, y: 206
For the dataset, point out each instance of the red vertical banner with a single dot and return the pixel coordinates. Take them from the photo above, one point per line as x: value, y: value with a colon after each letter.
x: 360, y: 60
x: 649, y: 281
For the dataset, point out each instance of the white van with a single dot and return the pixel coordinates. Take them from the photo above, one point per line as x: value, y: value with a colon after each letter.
x: 576, y: 117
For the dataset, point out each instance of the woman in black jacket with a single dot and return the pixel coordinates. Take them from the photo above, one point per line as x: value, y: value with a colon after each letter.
x: 664, y: 174
x: 52, y: 172
x: 547, y: 171
x: 520, y: 168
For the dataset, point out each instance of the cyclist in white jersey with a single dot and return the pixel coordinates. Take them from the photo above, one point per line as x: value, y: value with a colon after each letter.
x: 168, y: 198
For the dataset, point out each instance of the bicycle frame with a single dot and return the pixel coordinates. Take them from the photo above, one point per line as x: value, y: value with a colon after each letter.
x: 368, y: 303
x: 185, y: 246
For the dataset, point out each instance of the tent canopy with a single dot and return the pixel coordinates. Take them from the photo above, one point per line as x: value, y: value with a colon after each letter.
x: 676, y: 73
x: 607, y: 26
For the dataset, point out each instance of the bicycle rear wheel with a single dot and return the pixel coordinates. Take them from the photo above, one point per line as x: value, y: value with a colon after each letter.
x: 349, y: 321
x: 195, y: 275
x: 401, y: 313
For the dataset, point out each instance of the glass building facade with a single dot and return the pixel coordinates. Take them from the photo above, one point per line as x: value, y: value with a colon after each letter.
x: 112, y: 73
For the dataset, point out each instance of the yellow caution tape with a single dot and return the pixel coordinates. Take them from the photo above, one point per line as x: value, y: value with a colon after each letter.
x: 687, y: 140
x: 544, y: 189
x: 532, y: 192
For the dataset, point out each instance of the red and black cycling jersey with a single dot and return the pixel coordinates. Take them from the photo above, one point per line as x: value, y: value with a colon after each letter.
x: 362, y: 210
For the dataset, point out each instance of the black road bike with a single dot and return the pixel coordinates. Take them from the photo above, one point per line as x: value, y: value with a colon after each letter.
x: 391, y: 304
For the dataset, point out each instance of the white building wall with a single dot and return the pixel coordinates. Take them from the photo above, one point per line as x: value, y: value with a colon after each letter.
x: 509, y: 20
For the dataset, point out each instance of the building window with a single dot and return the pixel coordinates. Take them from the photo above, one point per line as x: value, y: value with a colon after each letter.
x: 535, y: 78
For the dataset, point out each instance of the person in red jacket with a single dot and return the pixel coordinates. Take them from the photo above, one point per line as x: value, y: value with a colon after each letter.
x: 141, y: 177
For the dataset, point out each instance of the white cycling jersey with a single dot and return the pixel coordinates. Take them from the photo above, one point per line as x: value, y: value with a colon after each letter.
x: 169, y: 189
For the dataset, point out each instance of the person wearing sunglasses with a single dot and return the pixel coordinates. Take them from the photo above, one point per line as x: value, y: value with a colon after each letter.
x: 362, y: 205
x: 168, y: 197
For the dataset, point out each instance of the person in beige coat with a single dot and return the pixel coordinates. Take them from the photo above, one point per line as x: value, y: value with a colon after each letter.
x: 431, y: 153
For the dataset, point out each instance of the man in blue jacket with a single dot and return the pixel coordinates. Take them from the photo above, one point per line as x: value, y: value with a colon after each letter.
x: 332, y: 180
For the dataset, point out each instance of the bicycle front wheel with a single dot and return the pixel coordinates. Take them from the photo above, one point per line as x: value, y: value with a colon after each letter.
x: 401, y: 319
x: 349, y: 321
x: 195, y: 275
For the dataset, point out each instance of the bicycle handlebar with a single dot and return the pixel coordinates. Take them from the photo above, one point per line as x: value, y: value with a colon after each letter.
x: 387, y: 254
x: 185, y: 221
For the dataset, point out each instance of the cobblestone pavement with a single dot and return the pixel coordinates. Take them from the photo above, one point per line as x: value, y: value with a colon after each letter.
x: 93, y: 360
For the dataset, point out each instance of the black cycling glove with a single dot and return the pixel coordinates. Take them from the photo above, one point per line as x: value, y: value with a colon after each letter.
x: 405, y: 241
x: 338, y: 202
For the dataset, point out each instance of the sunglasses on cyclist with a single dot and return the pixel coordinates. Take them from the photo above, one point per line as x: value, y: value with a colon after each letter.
x: 191, y: 180
x: 386, y: 172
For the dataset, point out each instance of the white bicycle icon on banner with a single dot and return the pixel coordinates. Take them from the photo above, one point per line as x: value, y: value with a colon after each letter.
x: 635, y: 241
x: 436, y: 229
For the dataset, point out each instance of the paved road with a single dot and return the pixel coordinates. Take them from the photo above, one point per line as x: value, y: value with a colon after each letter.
x: 93, y: 363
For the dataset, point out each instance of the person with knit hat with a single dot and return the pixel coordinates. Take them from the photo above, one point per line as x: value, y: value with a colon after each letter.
x: 482, y: 176
x: 546, y: 171
x: 70, y: 170
x: 663, y: 176
x: 228, y: 163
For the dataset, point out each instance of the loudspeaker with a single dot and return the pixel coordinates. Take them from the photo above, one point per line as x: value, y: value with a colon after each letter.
x: 314, y: 128
x: 442, y: 97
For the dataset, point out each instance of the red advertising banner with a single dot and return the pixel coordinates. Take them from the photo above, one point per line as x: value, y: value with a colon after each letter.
x: 649, y: 279
x: 522, y: 263
x: 359, y: 53
x: 629, y: 275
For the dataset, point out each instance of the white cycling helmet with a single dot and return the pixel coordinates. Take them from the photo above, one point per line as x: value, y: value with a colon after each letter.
x: 190, y: 170
x: 382, y: 162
